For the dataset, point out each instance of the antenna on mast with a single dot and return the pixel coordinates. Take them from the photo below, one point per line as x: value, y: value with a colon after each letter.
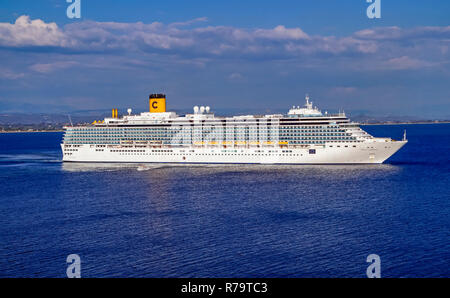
x: 308, y: 104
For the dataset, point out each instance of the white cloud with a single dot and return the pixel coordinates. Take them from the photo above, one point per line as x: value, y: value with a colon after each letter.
x: 281, y: 33
x: 397, y: 33
x: 26, y: 32
x: 210, y: 40
x: 190, y: 22
x: 51, y: 67
x: 405, y: 62
x: 10, y: 75
x: 343, y: 90
x: 235, y: 76
x: 386, y: 47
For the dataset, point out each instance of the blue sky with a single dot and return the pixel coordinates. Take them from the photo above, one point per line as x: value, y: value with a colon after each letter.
x: 261, y: 56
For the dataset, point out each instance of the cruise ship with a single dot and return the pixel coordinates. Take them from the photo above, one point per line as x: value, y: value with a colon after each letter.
x: 304, y: 135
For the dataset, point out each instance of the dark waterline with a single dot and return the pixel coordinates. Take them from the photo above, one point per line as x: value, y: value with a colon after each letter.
x: 226, y: 221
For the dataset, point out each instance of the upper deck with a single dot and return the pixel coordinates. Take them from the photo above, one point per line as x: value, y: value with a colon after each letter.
x: 203, y: 115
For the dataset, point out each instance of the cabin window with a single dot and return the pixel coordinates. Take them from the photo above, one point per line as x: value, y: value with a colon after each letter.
x: 312, y: 151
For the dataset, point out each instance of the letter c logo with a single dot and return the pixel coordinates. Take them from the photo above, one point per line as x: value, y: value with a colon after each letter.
x: 155, y: 104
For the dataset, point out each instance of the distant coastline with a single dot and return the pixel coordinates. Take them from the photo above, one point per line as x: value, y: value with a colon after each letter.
x: 28, y: 131
x: 407, y: 123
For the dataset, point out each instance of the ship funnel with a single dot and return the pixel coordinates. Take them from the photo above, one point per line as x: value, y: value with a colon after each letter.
x: 157, y: 103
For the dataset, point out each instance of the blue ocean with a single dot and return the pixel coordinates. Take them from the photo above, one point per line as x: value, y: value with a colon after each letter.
x: 226, y: 220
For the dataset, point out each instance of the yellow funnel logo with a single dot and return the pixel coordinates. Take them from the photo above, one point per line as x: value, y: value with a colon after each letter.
x: 157, y: 104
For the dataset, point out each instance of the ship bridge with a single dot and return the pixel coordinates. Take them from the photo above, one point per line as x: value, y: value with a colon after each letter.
x: 307, y: 111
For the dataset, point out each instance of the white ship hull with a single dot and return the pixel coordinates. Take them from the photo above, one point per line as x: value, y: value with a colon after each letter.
x: 370, y: 152
x: 303, y: 136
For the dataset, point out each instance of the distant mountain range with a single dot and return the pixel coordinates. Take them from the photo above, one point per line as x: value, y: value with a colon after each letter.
x: 27, y: 119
